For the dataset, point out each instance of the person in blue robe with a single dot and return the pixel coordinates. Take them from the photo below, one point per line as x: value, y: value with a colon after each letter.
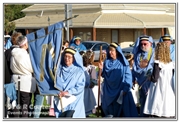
x: 70, y: 79
x: 168, y: 39
x: 143, y: 51
x: 77, y: 45
x: 90, y: 73
x: 117, y: 99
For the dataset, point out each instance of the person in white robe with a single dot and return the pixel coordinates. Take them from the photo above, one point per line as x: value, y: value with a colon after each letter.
x: 160, y: 101
x: 22, y: 71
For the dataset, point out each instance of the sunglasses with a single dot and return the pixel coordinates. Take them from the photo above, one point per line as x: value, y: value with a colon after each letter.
x: 143, y: 44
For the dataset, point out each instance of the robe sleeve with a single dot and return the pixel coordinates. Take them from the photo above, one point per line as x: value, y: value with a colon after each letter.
x: 127, y: 80
x: 155, y: 73
x: 87, y: 82
x: 83, y: 47
x: 133, y: 76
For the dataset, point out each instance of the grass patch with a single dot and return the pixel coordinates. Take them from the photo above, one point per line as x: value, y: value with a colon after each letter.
x: 45, y: 110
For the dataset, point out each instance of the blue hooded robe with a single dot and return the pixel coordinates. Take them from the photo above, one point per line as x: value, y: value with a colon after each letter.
x: 140, y: 74
x: 79, y: 47
x: 72, y: 79
x: 117, y: 77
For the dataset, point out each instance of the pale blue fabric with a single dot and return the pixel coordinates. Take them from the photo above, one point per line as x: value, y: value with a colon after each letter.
x: 139, y: 74
x: 38, y: 46
x: 117, y: 77
x: 79, y: 47
x: 10, y: 91
x: 38, y: 103
x: 8, y: 44
x: 72, y: 79
x: 89, y: 98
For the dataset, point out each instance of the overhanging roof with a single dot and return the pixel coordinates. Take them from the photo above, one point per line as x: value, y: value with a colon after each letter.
x: 117, y: 20
x: 155, y: 20
x: 132, y: 20
x: 60, y: 6
x: 83, y: 20
x: 37, y: 21
x: 105, y: 20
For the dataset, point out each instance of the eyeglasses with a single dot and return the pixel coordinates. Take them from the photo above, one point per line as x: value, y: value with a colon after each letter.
x: 69, y: 57
x: 143, y: 44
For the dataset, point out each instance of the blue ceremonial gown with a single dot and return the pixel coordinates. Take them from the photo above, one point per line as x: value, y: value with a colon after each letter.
x: 117, y: 77
x: 140, y: 74
x: 72, y: 79
x: 79, y: 47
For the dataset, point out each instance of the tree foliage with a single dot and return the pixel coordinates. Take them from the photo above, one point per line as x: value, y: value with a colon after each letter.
x: 12, y: 12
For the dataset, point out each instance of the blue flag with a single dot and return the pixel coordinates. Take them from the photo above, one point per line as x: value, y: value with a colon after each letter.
x: 44, y: 50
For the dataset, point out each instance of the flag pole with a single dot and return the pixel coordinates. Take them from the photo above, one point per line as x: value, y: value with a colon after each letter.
x: 70, y: 18
x: 99, y: 80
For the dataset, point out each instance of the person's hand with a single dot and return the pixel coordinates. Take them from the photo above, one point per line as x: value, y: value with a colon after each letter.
x: 63, y: 93
x: 100, y: 65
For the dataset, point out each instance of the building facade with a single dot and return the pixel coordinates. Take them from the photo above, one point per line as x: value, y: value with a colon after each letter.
x: 121, y: 23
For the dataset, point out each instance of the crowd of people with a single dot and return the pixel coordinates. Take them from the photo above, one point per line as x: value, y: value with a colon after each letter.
x: 151, y: 67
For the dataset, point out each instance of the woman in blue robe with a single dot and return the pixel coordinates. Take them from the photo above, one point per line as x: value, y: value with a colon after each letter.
x: 71, y: 80
x: 117, y: 99
x: 77, y: 45
x: 143, y: 50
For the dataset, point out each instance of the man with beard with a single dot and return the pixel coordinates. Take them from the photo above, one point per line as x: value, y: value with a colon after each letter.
x: 143, y: 66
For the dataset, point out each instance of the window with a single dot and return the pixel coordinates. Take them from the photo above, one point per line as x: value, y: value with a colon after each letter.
x: 115, y: 36
x: 85, y: 36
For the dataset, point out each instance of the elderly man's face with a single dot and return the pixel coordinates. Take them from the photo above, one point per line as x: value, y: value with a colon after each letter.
x: 145, y: 45
x: 77, y: 41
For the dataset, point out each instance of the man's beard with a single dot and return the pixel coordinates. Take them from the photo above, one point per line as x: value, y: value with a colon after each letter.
x: 145, y: 49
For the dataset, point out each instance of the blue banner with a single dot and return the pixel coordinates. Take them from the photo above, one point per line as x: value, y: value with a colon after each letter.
x: 44, y: 50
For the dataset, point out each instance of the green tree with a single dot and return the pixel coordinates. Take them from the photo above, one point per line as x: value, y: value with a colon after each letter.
x: 12, y: 12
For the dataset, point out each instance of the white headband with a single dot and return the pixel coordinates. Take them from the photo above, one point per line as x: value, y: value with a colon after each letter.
x: 25, y: 41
